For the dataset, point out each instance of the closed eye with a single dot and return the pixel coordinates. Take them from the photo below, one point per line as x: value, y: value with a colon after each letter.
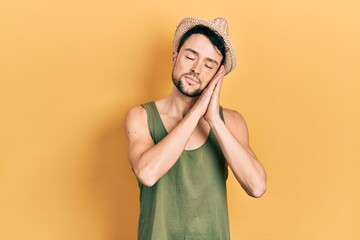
x: 208, y: 66
x: 190, y: 58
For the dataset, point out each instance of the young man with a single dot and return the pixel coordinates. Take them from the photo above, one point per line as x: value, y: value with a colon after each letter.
x: 180, y: 146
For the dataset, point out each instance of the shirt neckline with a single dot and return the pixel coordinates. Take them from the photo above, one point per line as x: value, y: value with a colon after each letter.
x: 164, y: 128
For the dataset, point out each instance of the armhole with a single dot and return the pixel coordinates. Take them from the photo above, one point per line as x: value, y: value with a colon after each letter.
x: 222, y: 114
x: 226, y: 171
x: 150, y: 120
x: 221, y: 110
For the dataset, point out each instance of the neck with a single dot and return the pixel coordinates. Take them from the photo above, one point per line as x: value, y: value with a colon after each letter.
x: 178, y: 104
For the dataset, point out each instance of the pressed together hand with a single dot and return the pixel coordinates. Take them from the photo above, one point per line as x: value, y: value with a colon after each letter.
x: 208, y: 103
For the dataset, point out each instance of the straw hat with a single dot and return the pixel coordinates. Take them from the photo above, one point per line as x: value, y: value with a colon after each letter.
x: 220, y: 26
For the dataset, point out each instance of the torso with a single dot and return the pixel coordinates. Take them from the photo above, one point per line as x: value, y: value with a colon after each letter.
x: 189, y: 201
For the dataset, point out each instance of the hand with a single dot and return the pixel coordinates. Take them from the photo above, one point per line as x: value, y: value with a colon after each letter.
x: 212, y: 113
x: 203, y: 104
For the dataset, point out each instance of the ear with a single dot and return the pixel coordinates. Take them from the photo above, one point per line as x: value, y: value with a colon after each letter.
x: 174, y: 57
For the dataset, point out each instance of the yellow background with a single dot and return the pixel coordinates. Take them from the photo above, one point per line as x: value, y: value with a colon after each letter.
x: 71, y: 69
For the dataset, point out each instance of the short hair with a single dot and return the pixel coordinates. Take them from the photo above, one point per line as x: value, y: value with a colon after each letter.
x: 214, y: 38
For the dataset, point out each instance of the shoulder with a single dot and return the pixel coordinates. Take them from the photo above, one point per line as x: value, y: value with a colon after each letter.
x: 233, y: 117
x: 236, y: 124
x: 135, y: 115
x: 135, y: 112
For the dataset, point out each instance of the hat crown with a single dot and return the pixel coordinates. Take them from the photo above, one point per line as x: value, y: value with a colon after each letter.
x: 221, y: 24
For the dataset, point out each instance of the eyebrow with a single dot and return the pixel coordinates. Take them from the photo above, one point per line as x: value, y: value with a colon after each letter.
x: 196, y: 53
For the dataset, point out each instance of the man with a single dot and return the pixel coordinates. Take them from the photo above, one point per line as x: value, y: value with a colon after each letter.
x: 180, y: 146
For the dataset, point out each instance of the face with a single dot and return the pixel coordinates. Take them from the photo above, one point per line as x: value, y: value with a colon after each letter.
x: 195, y: 65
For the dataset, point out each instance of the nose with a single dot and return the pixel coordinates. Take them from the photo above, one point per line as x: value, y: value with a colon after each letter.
x: 196, y: 68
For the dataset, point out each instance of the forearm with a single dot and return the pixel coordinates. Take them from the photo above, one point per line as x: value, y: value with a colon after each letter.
x: 159, y: 159
x: 247, y: 169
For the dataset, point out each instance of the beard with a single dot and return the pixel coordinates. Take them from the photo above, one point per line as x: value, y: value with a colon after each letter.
x: 180, y: 86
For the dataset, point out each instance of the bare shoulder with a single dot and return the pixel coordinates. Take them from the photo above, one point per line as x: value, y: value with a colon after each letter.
x: 236, y: 124
x: 135, y: 113
x: 136, y: 120
x: 233, y: 117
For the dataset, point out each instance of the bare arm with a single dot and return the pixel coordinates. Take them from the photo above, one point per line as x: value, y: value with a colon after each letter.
x: 151, y: 161
x: 234, y: 141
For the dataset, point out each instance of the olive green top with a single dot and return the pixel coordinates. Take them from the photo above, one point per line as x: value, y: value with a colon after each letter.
x: 189, y: 201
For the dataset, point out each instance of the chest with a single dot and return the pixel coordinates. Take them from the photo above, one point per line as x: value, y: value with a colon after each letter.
x: 197, y: 138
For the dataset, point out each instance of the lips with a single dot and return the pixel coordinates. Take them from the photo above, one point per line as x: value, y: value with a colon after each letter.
x: 191, y: 80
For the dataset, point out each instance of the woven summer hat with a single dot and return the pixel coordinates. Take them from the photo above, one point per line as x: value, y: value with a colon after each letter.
x: 218, y: 25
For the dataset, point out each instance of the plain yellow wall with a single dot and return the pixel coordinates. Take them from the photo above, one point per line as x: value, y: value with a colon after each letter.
x: 71, y: 69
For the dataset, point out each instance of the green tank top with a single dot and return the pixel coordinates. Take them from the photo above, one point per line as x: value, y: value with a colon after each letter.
x: 189, y: 201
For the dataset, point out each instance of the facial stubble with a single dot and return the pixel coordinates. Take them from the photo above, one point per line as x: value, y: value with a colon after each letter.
x: 180, y: 86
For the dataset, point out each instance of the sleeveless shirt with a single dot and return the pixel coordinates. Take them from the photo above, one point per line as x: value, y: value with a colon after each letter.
x: 189, y: 202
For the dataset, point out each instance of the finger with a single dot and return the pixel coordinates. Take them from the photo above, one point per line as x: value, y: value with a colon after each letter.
x: 218, y: 86
x: 219, y: 82
x: 213, y: 83
x: 216, y: 93
x: 211, y: 86
x: 220, y: 74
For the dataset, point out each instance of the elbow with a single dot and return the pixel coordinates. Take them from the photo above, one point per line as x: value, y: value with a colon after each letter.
x: 258, y: 191
x: 256, y: 188
x: 147, y: 182
x: 145, y: 177
x: 259, y: 186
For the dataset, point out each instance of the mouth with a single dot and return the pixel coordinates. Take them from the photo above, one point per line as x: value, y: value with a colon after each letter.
x: 191, y: 79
